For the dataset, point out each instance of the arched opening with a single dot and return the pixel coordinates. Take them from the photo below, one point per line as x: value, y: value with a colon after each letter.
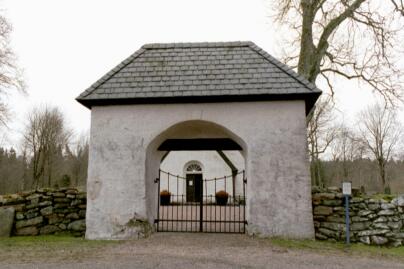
x: 191, y: 162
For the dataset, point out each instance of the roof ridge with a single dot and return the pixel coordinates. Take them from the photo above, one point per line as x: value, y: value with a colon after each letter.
x: 285, y: 68
x: 112, y: 72
x: 197, y: 45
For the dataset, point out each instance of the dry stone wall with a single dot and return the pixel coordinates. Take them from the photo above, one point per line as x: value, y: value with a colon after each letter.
x: 47, y: 211
x: 373, y: 221
x: 377, y: 221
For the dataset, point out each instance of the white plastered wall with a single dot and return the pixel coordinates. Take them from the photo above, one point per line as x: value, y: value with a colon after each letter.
x: 124, y: 162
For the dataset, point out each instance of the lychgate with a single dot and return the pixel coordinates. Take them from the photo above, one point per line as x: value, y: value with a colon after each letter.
x: 199, y: 97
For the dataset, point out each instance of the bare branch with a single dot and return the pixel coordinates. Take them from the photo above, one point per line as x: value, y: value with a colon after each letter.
x: 353, y: 39
x: 380, y: 132
x: 10, y: 74
x: 399, y: 7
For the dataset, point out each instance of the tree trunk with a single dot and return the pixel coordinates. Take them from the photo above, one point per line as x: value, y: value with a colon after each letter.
x: 316, y: 176
x: 49, y: 172
x: 307, y: 47
x: 345, y: 169
x: 382, y: 170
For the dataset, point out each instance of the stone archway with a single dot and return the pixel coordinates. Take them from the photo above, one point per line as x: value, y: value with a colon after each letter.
x: 195, y: 135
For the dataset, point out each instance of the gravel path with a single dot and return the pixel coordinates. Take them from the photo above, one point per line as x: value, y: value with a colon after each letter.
x: 177, y: 250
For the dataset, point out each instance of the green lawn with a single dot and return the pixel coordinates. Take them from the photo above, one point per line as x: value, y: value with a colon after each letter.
x: 49, y: 247
x: 355, y: 249
x: 51, y: 241
x: 65, y: 247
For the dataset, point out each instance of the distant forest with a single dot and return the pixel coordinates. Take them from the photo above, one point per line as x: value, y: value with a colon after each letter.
x: 68, y: 168
x: 364, y: 174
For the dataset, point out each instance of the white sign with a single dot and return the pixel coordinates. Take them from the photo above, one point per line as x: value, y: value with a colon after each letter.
x: 346, y: 188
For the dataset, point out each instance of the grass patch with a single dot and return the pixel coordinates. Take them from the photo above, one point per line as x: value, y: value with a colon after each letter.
x: 65, y: 248
x: 50, y: 247
x: 51, y: 241
x: 356, y: 249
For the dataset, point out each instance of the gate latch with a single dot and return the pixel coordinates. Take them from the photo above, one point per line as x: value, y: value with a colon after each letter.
x: 156, y: 180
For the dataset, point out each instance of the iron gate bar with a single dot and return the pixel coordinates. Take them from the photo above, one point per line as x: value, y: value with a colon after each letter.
x: 245, y: 201
x: 157, y: 180
x: 210, y: 218
x: 201, y: 207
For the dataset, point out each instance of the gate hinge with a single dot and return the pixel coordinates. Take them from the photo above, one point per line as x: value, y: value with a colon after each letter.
x: 245, y: 180
x: 156, y: 180
x: 156, y: 221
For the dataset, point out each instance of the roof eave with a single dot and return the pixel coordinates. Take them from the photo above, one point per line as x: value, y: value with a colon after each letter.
x: 309, y: 98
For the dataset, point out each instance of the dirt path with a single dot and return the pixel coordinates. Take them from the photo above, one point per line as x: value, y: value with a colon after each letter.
x: 175, y: 250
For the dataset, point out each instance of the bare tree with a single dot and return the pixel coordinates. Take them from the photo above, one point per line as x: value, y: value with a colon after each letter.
x: 320, y: 134
x: 79, y: 160
x: 342, y: 149
x: 352, y: 39
x: 45, y: 133
x: 380, y: 132
x: 346, y: 148
x: 10, y: 74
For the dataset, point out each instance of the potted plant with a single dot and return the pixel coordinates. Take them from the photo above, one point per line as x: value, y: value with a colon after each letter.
x: 165, y: 197
x: 221, y: 197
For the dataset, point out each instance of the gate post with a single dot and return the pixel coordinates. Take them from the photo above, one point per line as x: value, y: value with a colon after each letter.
x: 245, y: 200
x: 156, y: 221
x: 201, y: 206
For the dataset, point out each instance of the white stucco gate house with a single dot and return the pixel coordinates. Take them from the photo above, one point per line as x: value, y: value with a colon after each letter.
x: 198, y: 96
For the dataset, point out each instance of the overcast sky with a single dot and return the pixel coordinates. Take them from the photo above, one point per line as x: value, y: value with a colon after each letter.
x: 65, y: 46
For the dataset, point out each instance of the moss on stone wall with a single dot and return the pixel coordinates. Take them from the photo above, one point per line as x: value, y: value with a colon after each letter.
x: 47, y: 211
x: 376, y: 219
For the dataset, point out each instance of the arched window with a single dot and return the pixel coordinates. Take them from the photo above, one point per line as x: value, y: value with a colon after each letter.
x: 193, y: 168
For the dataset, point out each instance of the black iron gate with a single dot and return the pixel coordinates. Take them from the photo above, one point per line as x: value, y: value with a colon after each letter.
x: 194, y: 204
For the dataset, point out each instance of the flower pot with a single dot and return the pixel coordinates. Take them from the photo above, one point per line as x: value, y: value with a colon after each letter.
x: 221, y: 200
x: 221, y: 197
x: 165, y: 198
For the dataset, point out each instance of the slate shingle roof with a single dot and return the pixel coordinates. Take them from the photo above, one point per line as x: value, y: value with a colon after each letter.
x: 199, y: 72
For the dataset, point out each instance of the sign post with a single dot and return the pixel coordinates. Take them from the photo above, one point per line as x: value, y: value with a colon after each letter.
x: 347, y: 191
